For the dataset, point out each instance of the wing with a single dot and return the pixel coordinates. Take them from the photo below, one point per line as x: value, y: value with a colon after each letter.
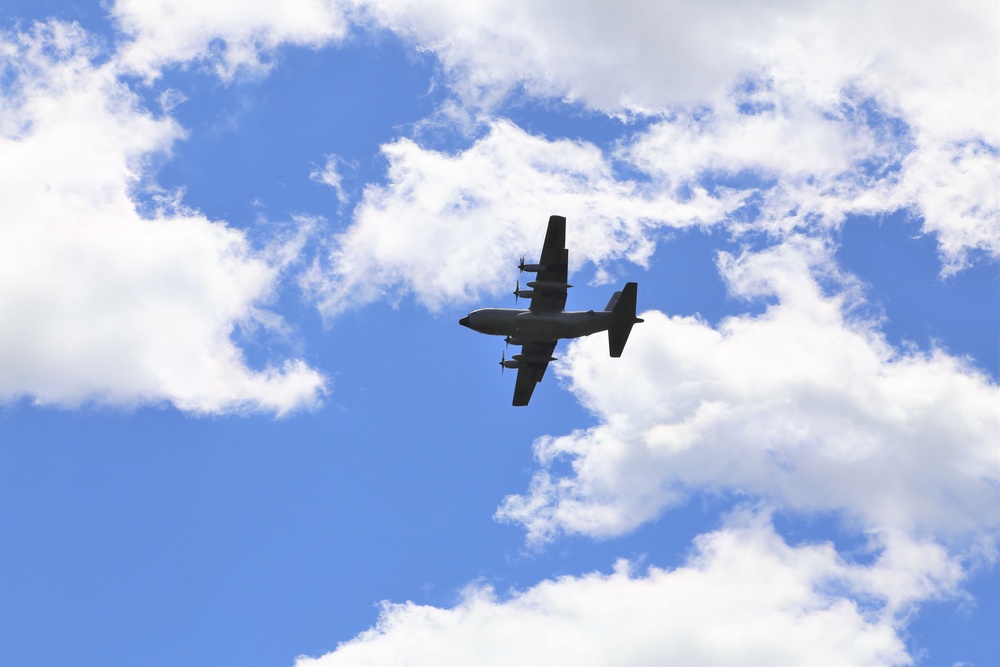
x: 555, y: 259
x: 535, y: 359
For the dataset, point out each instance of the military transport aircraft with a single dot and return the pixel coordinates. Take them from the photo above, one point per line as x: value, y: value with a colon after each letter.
x: 539, y: 328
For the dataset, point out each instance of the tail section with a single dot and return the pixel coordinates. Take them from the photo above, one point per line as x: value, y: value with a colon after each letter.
x: 622, y: 304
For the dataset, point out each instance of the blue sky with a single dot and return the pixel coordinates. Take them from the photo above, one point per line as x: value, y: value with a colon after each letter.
x: 240, y: 424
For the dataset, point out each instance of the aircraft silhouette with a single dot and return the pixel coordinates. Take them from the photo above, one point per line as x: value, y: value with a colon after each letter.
x: 538, y: 328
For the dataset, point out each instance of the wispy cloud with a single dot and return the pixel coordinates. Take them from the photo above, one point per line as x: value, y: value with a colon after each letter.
x: 330, y: 175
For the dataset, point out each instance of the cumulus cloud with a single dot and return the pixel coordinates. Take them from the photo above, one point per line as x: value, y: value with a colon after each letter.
x: 100, y: 302
x: 805, y: 405
x: 446, y: 227
x: 744, y: 597
x: 229, y: 35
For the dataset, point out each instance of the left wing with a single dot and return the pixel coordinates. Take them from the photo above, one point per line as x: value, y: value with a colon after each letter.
x: 534, y: 358
x: 549, y: 287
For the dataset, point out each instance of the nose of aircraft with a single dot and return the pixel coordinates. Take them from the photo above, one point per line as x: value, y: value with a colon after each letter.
x: 464, y: 321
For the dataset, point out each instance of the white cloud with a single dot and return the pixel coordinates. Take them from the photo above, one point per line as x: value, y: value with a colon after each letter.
x: 330, y: 175
x: 816, y: 165
x: 803, y: 405
x: 609, y: 57
x: 101, y: 303
x: 744, y: 597
x: 447, y: 227
x: 784, y: 138
x: 806, y: 165
x: 228, y: 34
x: 955, y: 186
x: 651, y: 56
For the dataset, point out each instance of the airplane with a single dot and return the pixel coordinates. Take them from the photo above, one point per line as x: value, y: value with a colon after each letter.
x: 538, y: 328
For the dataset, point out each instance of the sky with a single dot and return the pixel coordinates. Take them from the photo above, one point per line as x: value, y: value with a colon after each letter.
x: 240, y: 424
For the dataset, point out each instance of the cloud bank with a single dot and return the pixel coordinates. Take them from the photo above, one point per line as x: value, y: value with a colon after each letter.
x: 744, y: 597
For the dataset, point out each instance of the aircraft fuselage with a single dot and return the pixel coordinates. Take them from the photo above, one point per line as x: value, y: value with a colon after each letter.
x: 547, y: 325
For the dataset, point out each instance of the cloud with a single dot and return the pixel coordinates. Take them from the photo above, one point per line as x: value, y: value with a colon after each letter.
x: 330, y: 175
x: 229, y: 35
x: 806, y: 168
x: 954, y: 186
x: 655, y: 56
x: 805, y: 405
x: 744, y: 597
x: 103, y: 303
x: 447, y: 227
x: 649, y: 55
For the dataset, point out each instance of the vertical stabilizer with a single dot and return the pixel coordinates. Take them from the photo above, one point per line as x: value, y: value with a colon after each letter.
x: 622, y: 304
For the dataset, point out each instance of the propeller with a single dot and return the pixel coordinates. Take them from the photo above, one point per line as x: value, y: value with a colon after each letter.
x: 521, y: 265
x: 503, y: 366
x: 517, y: 288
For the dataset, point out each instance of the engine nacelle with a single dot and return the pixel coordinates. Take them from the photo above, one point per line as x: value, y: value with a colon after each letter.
x: 511, y: 363
x: 524, y: 293
x: 528, y: 358
x: 533, y: 268
x: 548, y: 285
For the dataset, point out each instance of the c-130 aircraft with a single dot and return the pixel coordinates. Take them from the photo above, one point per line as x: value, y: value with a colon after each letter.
x: 538, y: 329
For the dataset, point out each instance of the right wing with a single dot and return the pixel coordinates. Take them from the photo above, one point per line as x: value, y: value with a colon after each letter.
x: 534, y: 359
x: 555, y: 259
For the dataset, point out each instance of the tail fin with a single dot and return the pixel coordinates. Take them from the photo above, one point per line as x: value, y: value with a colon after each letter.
x: 622, y: 304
